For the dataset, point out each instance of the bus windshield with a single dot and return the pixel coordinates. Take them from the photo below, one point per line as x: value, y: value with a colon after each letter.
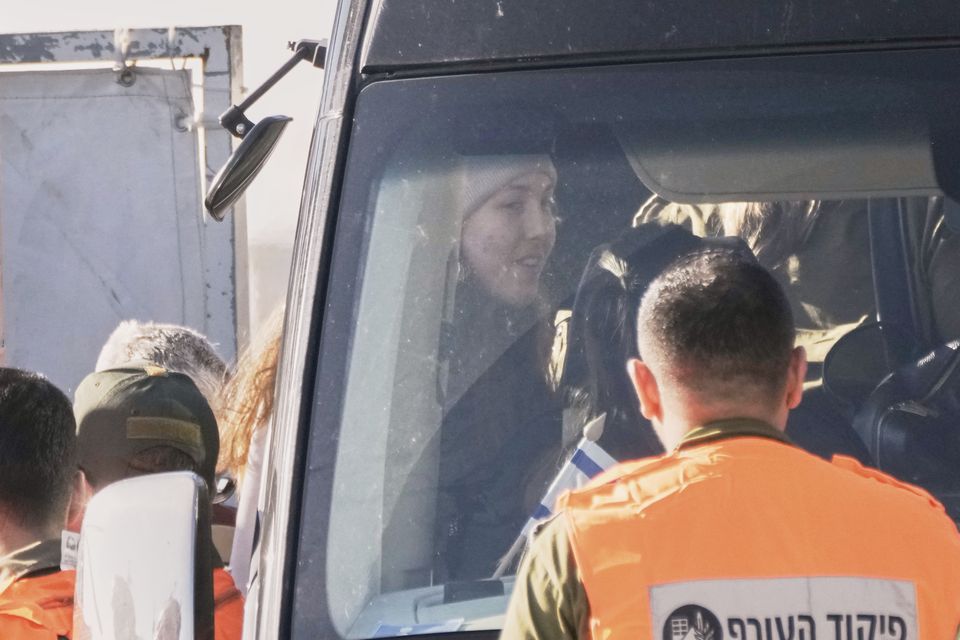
x: 494, y: 236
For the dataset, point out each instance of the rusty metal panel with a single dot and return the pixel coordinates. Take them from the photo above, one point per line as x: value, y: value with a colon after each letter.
x: 137, y: 44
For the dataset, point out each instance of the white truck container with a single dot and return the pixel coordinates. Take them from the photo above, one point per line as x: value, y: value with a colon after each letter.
x: 102, y: 165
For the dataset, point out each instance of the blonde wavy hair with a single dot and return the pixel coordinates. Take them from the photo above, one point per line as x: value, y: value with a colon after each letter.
x: 246, y: 400
x: 773, y: 230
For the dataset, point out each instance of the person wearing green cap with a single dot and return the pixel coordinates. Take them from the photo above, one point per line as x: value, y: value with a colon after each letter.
x: 145, y: 419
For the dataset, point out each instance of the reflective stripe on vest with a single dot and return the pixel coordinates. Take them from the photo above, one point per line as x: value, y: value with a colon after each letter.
x: 43, y: 604
x: 748, y: 538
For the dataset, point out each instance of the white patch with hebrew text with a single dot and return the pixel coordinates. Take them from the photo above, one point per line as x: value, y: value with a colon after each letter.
x: 785, y: 609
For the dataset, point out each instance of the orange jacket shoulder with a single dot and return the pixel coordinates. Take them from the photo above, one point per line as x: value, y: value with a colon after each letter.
x: 227, y: 607
x: 854, y: 466
x: 38, y: 607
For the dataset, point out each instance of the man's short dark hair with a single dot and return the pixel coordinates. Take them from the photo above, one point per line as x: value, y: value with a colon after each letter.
x: 38, y: 448
x: 719, y: 323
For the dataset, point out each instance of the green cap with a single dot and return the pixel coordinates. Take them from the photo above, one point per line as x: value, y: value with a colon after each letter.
x: 121, y: 412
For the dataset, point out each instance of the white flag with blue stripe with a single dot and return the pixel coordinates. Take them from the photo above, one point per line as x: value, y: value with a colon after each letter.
x: 587, y: 461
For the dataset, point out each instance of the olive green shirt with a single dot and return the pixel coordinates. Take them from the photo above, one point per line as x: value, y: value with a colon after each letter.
x: 548, y: 599
x: 35, y: 557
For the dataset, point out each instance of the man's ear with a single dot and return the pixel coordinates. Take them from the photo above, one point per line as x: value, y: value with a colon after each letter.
x: 645, y: 386
x: 796, y: 374
x: 79, y: 497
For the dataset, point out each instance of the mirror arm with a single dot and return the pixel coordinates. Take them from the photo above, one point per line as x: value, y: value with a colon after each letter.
x: 235, y: 120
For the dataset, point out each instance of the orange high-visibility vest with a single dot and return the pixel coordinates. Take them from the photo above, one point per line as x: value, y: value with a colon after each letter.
x: 38, y: 607
x: 750, y: 538
x: 227, y: 607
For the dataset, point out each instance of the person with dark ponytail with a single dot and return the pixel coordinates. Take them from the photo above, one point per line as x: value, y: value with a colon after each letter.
x: 602, y: 332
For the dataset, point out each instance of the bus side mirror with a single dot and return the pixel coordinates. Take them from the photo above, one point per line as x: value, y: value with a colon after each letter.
x: 259, y: 139
x: 144, y: 567
x: 244, y: 164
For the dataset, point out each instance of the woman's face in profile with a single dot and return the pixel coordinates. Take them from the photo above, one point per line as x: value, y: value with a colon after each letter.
x: 506, y: 241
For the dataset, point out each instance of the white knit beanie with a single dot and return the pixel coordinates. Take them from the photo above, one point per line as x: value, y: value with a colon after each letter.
x: 483, y: 176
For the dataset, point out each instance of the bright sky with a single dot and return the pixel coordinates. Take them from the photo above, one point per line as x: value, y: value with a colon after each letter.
x: 273, y: 200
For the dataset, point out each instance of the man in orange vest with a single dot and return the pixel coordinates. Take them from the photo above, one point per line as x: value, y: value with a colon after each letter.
x: 734, y: 533
x: 38, y: 478
x: 145, y: 419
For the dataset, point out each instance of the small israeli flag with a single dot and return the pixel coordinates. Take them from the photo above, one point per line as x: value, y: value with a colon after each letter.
x: 587, y: 461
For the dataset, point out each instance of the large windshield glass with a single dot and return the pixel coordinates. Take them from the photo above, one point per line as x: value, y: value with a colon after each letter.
x: 494, y: 237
